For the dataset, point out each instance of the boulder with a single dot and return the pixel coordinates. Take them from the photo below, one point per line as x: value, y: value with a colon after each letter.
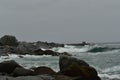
x: 76, y: 68
x: 24, y: 78
x: 9, y: 40
x: 61, y: 77
x: 25, y: 48
x: 19, y: 71
x: 8, y: 66
x: 43, y: 70
x: 66, y: 61
x: 47, y: 45
x: 38, y: 52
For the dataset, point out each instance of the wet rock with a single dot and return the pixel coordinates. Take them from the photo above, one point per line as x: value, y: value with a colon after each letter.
x: 73, y: 67
x: 19, y: 71
x: 62, y: 77
x: 47, y: 45
x: 25, y: 78
x: 38, y: 52
x: 43, y: 70
x: 49, y: 52
x: 8, y: 66
x: 25, y: 48
x: 9, y: 40
x: 66, y: 61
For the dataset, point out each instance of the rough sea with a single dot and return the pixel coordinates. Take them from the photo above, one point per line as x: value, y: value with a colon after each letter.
x: 105, y: 58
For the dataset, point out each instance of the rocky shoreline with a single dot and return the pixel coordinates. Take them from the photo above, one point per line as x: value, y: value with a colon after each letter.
x: 10, y: 45
x: 70, y: 69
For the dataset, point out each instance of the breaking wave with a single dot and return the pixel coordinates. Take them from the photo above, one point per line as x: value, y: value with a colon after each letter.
x: 112, y: 69
x: 87, y: 48
x: 71, y: 49
x: 110, y: 76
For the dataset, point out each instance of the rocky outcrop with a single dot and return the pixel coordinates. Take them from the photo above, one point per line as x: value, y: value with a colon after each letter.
x: 10, y: 45
x: 20, y: 71
x: 66, y: 61
x: 27, y: 49
x: 9, y: 40
x: 39, y: 77
x: 8, y: 66
x: 70, y: 69
x: 49, y: 52
x: 62, y: 77
x: 76, y: 68
x: 43, y: 70
x: 47, y: 45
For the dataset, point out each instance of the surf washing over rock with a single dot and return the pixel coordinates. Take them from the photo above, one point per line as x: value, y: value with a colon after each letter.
x: 103, y: 57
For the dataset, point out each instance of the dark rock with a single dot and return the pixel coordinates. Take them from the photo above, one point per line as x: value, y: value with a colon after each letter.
x: 80, y: 44
x: 62, y: 77
x: 25, y: 78
x: 9, y: 40
x: 49, y: 52
x: 77, y: 68
x: 38, y: 52
x: 1, y: 44
x: 5, y: 50
x: 19, y: 71
x: 43, y: 70
x: 20, y: 56
x: 46, y: 77
x: 64, y: 54
x: 25, y: 48
x: 8, y: 66
x: 66, y: 61
x: 47, y: 45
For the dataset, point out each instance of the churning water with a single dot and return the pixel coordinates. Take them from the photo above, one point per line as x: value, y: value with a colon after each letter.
x: 105, y: 58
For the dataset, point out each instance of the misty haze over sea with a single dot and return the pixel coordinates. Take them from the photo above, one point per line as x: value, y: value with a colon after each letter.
x: 64, y: 21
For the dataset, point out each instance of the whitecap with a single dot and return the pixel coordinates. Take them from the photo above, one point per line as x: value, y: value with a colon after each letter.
x: 114, y: 76
x: 112, y: 69
x: 71, y: 49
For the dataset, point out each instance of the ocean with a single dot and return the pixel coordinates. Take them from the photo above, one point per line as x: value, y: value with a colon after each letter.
x: 105, y: 58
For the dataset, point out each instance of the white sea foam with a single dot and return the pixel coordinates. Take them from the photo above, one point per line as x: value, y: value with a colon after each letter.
x: 72, y: 49
x: 107, y: 76
x: 112, y: 69
x: 102, y: 53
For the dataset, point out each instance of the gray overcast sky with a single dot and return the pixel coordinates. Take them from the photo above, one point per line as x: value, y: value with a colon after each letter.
x: 61, y: 20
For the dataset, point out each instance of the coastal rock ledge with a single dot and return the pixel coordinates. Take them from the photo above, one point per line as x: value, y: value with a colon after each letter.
x: 70, y: 69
